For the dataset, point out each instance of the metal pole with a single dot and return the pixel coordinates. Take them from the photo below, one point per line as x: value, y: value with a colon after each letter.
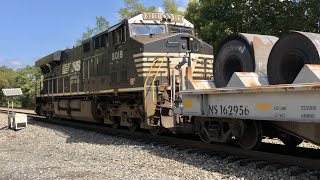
x: 9, y: 123
x: 12, y: 106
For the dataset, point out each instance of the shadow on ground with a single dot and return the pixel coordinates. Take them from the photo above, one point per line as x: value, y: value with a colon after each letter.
x: 74, y: 137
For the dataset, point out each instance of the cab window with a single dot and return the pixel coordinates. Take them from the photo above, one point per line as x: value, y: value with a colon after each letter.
x: 147, y: 29
x: 180, y: 29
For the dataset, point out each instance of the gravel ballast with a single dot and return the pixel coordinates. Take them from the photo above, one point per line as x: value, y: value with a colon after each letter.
x: 47, y: 151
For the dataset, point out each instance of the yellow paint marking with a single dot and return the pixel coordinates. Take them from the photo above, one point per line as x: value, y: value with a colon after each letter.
x: 263, y: 106
x: 187, y: 104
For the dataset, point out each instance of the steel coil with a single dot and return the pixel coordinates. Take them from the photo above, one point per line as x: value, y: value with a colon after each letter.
x: 242, y: 53
x: 290, y: 54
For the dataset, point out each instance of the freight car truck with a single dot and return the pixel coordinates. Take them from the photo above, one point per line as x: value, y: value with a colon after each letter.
x: 263, y: 87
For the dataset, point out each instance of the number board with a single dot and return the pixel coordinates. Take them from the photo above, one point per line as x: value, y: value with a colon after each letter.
x: 152, y: 16
x: 177, y: 18
x: 163, y: 16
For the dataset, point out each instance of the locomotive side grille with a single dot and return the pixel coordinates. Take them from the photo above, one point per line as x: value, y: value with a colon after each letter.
x: 202, y: 64
x: 203, y: 68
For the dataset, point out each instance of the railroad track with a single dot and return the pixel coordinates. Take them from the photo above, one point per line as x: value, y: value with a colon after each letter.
x: 271, y: 156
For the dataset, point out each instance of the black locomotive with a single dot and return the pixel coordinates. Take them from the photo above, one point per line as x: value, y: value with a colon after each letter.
x: 127, y: 75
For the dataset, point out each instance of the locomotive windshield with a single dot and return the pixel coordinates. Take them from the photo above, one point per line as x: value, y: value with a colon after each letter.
x: 180, y: 29
x: 147, y: 29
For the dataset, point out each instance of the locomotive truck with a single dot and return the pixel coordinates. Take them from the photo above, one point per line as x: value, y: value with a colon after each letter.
x: 151, y: 71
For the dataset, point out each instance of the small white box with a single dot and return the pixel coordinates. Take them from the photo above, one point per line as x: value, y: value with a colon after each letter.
x: 17, y: 121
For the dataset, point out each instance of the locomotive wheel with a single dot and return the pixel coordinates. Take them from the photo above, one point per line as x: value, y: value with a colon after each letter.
x: 115, y: 122
x: 156, y: 130
x: 233, y: 56
x: 251, y: 136
x: 133, y: 126
x: 291, y: 141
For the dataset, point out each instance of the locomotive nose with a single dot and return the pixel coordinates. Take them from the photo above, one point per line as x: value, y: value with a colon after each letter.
x: 180, y: 43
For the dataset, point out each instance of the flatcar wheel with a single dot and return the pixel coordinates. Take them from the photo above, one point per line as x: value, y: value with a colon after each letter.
x: 203, y: 132
x: 291, y: 141
x: 204, y: 137
x: 251, y: 136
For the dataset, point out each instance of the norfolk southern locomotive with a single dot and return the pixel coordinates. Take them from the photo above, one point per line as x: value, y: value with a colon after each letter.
x: 127, y: 75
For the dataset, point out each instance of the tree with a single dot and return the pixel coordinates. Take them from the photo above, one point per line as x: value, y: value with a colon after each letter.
x: 171, y: 7
x: 26, y: 79
x: 133, y: 7
x: 6, y: 81
x: 215, y: 19
x: 311, y: 22
x: 102, y: 24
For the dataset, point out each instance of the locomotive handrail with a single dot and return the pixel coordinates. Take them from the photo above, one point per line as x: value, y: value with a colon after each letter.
x: 145, y: 82
x: 155, y: 77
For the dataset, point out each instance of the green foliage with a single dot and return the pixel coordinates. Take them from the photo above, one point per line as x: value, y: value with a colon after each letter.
x: 133, y: 7
x: 102, y: 24
x: 171, y: 7
x: 7, y: 77
x: 24, y: 78
x: 215, y: 19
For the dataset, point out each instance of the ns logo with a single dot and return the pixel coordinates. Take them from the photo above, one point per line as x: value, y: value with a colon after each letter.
x: 71, y: 67
x: 117, y: 55
x: 76, y: 66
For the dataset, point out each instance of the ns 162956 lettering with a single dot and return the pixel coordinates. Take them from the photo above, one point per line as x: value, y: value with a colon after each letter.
x: 230, y: 110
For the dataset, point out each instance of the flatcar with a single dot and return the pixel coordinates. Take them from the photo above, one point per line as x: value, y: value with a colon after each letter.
x: 127, y: 75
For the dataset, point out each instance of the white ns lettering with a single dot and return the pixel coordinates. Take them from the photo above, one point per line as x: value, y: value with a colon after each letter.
x: 76, y: 65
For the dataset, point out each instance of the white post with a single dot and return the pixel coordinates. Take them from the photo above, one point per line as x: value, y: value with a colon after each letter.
x: 9, y: 121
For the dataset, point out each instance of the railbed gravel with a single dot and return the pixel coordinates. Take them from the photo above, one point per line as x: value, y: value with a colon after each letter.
x: 47, y: 151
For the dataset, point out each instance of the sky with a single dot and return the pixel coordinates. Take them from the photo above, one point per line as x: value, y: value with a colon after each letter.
x: 33, y: 29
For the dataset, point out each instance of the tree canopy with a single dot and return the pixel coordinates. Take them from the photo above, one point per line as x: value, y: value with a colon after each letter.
x: 214, y: 19
x: 131, y: 8
x: 102, y: 24
x: 24, y: 78
x: 171, y: 7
